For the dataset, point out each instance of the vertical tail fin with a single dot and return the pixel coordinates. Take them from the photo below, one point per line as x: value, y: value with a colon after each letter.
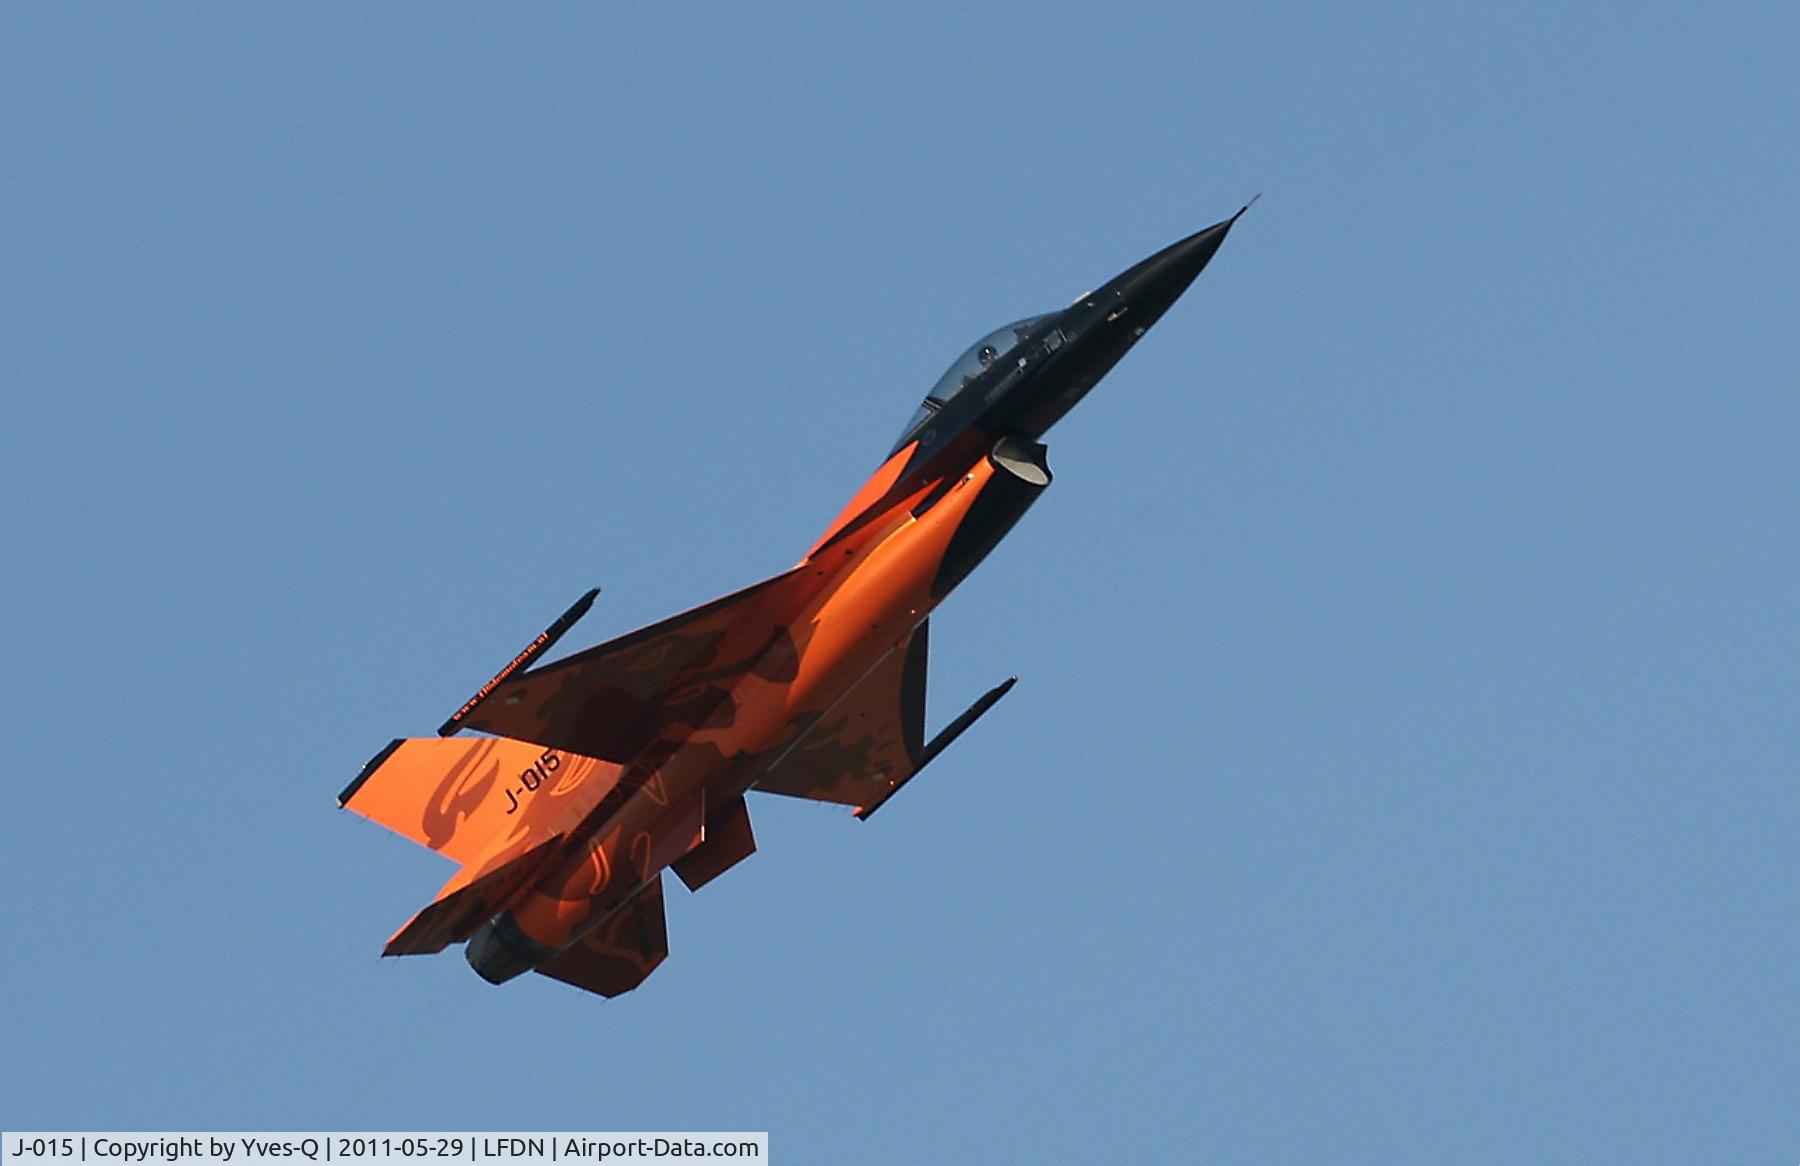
x: 465, y: 797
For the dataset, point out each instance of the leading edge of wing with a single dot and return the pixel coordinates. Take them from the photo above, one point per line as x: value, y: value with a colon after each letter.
x: 663, y: 626
x: 604, y: 701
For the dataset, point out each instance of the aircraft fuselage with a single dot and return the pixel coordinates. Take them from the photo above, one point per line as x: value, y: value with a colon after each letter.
x: 604, y: 768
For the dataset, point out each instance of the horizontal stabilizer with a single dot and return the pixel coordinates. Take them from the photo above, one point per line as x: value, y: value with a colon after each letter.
x: 466, y: 797
x: 618, y: 955
x: 475, y: 895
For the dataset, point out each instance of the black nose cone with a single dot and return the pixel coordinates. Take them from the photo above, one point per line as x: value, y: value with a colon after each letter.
x: 1150, y: 286
x: 1100, y: 327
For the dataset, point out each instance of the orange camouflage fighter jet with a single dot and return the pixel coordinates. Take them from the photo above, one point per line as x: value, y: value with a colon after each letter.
x: 607, y: 766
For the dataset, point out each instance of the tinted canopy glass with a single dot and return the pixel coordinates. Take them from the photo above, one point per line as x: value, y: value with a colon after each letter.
x: 980, y: 354
x: 968, y: 366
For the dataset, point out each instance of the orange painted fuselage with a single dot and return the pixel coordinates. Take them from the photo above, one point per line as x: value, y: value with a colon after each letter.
x: 873, y: 586
x: 600, y: 770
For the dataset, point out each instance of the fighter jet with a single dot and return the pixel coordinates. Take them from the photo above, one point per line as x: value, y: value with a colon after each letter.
x: 598, y: 771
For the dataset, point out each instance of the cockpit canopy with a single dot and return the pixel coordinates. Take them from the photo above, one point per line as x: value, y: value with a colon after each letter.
x: 967, y: 367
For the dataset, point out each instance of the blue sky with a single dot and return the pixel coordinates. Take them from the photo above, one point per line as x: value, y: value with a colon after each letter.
x: 1403, y: 762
